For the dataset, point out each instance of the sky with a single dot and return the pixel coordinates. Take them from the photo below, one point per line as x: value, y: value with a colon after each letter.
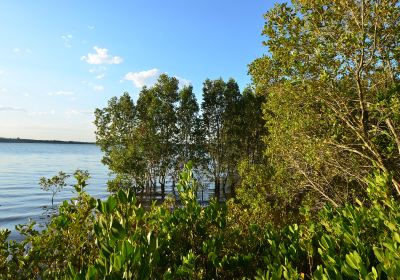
x: 59, y: 60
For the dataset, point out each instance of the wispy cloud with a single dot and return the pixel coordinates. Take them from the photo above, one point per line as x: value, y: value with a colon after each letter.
x: 73, y: 113
x: 95, y: 87
x: 3, y: 90
x: 67, y: 40
x: 149, y: 77
x: 101, y: 57
x: 183, y: 82
x: 61, y: 93
x: 98, y: 87
x: 100, y: 76
x: 143, y: 78
x: 43, y: 113
x: 91, y: 27
x: 98, y: 71
x: 2, y: 72
x: 11, y: 109
x: 21, y: 50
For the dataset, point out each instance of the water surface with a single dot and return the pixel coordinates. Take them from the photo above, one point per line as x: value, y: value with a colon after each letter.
x: 23, y: 164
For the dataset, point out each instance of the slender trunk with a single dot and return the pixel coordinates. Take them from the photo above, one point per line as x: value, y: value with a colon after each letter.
x: 393, y: 131
x: 173, y: 187
x: 162, y: 190
x: 233, y: 186
x: 224, y: 186
x: 142, y: 193
x: 217, y: 188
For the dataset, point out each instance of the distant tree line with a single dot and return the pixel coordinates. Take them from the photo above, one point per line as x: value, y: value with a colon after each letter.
x: 23, y: 140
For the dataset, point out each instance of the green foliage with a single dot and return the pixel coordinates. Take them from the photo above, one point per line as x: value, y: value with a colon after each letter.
x: 233, y: 128
x: 329, y: 90
x: 360, y: 241
x: 147, y: 142
x: 120, y: 239
x: 330, y: 82
x: 66, y: 241
x: 54, y: 184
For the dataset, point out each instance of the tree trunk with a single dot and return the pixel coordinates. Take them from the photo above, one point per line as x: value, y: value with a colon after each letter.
x: 173, y: 187
x: 162, y: 190
x: 217, y: 189
x: 224, y: 186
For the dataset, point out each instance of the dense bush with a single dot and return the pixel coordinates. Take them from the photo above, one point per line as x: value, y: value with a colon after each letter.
x: 119, y: 239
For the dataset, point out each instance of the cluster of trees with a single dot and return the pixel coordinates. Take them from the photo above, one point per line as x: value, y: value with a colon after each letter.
x: 312, y: 152
x: 322, y: 114
x: 147, y: 143
x: 331, y: 85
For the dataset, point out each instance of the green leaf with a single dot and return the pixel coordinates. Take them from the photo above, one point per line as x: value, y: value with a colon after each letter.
x: 122, y: 197
x: 111, y: 204
x: 379, y: 254
x: 346, y: 269
x: 118, y: 260
x: 396, y: 237
x: 91, y: 273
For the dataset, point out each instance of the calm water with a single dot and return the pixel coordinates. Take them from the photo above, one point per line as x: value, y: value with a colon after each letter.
x: 21, y: 167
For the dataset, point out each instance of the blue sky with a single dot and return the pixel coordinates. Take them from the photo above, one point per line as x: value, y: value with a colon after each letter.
x: 59, y: 60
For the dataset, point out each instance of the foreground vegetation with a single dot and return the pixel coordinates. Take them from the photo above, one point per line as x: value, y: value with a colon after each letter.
x: 118, y: 239
x: 310, y: 154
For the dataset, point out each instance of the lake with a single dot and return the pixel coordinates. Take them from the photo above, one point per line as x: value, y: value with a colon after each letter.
x: 23, y: 164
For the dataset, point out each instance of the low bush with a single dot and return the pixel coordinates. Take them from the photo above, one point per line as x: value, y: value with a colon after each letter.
x: 120, y: 239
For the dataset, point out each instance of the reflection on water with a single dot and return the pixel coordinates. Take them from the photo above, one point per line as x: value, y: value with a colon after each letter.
x: 21, y: 167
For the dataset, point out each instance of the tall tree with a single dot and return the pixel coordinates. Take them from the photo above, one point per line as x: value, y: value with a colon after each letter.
x: 252, y: 125
x: 189, y: 136
x: 332, y: 88
x: 117, y: 136
x: 232, y: 134
x: 139, y: 141
x: 157, y: 118
x: 220, y: 108
x: 212, y: 110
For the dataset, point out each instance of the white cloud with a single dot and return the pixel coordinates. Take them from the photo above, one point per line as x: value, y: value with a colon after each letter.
x: 11, y: 108
x: 61, y: 93
x: 67, y: 40
x: 143, y: 78
x: 73, y: 113
x: 19, y: 50
x: 149, y: 77
x: 183, y: 82
x: 98, y: 71
x: 98, y: 87
x: 93, y: 86
x: 45, y: 113
x: 101, y: 57
x: 2, y: 72
x: 91, y: 27
x: 3, y: 90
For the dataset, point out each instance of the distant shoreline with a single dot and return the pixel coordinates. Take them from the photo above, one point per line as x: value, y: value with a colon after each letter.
x: 21, y: 140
